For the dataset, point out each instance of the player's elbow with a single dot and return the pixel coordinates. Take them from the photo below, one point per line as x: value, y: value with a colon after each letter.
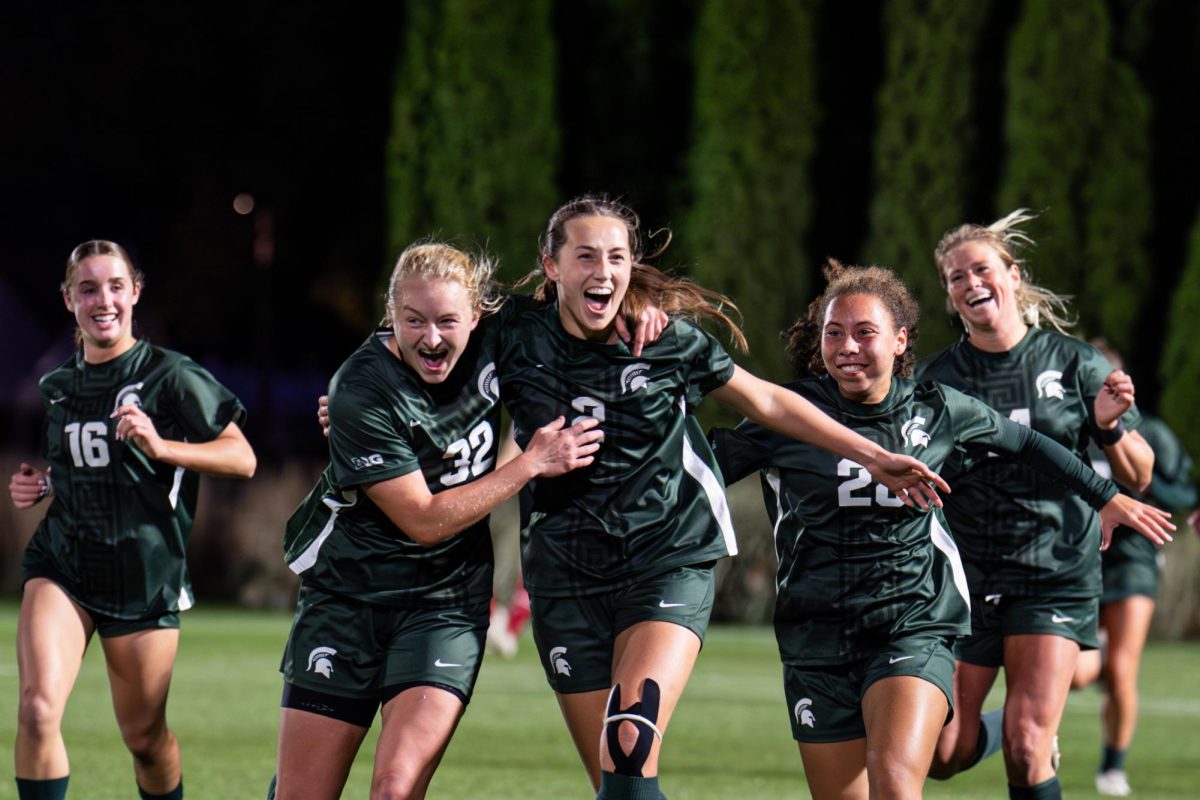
x: 245, y: 466
x: 426, y: 535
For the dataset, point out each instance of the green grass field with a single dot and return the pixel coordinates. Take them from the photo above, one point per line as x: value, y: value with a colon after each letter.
x: 729, y: 738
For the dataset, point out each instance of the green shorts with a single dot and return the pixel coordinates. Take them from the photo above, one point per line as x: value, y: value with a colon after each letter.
x: 575, y: 635
x: 348, y: 648
x: 995, y: 616
x: 107, y: 626
x: 1129, y: 567
x: 825, y: 702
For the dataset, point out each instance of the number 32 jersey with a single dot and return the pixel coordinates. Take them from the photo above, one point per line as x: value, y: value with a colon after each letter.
x: 115, y: 535
x: 858, y: 568
x: 387, y: 422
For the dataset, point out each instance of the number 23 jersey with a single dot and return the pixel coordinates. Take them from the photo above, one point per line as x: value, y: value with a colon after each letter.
x: 115, y: 534
x: 387, y: 422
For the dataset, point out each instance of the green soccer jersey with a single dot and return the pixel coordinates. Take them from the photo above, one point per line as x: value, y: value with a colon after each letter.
x: 116, y: 531
x: 652, y: 499
x: 1170, y: 487
x: 1019, y: 533
x: 858, y: 568
x: 387, y: 422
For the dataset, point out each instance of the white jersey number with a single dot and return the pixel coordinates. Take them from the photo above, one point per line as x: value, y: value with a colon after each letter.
x: 87, y: 443
x: 589, y: 408
x: 472, y: 455
x: 859, y: 479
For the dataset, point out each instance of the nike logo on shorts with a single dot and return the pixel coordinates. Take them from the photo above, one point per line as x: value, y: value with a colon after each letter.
x: 991, y: 598
x: 665, y: 604
x: 440, y: 663
x: 895, y: 659
x: 1059, y: 619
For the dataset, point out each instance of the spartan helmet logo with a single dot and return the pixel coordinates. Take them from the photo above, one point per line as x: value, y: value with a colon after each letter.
x: 558, y: 661
x: 1049, y: 384
x: 128, y: 396
x: 804, y: 716
x: 634, y: 377
x: 318, y: 661
x: 489, y: 383
x: 913, y: 433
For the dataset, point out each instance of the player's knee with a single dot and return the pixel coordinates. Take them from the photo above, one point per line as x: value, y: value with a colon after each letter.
x: 38, y: 714
x: 146, y: 741
x: 395, y: 786
x: 630, y: 731
x: 1024, y: 749
x: 890, y: 774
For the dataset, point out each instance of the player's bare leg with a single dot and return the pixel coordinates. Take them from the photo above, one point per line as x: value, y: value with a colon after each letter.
x: 1038, y: 669
x: 903, y: 716
x: 957, y: 746
x: 837, y: 770
x: 417, y: 726
x: 315, y: 755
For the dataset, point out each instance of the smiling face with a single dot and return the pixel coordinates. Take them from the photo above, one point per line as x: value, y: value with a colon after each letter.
x: 983, y: 288
x: 591, y: 271
x: 101, y: 293
x: 859, y: 345
x: 433, y: 320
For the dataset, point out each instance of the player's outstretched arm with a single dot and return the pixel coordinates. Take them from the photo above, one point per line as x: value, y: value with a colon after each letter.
x: 428, y: 518
x: 790, y: 414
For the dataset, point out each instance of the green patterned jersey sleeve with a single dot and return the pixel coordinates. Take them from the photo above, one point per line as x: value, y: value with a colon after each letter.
x: 1094, y: 368
x: 367, y: 443
x: 743, y: 451
x: 1171, y: 484
x: 709, y: 367
x: 983, y: 430
x: 205, y: 407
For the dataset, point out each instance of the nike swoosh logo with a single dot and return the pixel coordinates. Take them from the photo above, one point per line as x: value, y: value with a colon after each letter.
x: 898, y: 659
x: 665, y: 604
x: 56, y: 400
x: 440, y: 663
x: 991, y: 598
x: 1055, y: 618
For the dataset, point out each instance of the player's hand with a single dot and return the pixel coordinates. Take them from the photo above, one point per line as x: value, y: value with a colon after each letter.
x: 134, y: 426
x: 556, y: 450
x: 650, y: 324
x: 1152, y: 523
x: 908, y: 479
x: 323, y: 414
x: 28, y: 486
x: 1114, y: 399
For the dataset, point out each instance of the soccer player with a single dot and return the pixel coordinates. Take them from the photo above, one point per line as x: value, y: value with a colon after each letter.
x: 1031, y: 550
x: 128, y: 427
x: 392, y: 544
x: 619, y: 557
x: 1129, y: 570
x: 871, y: 593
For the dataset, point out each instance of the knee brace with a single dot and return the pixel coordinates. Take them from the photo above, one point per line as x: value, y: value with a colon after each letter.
x: 643, y: 714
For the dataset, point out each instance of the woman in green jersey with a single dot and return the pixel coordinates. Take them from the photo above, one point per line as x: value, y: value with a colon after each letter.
x: 1031, y: 550
x: 128, y: 428
x: 619, y: 556
x: 871, y: 593
x: 392, y: 545
x: 1129, y: 571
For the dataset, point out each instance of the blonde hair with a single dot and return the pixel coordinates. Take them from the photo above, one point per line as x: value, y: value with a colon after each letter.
x: 1036, y: 304
x: 647, y: 285
x: 436, y: 260
x: 98, y: 247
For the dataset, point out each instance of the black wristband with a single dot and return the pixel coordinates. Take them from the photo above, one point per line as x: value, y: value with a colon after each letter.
x: 1110, y: 437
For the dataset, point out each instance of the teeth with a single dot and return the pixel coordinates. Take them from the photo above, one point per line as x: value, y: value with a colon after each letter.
x: 598, y: 292
x: 102, y: 318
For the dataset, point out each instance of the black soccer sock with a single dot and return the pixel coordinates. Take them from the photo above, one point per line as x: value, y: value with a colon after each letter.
x: 625, y: 787
x: 1046, y: 790
x: 174, y: 794
x: 51, y: 789
x: 1112, y: 758
x: 271, y: 788
x: 991, y: 736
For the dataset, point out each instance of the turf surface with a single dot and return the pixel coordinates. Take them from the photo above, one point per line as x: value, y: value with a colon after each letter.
x: 729, y: 738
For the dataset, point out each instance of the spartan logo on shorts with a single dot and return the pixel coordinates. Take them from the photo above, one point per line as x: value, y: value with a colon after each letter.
x: 1049, y: 384
x: 803, y: 714
x: 914, y: 432
x: 558, y: 661
x: 489, y: 382
x: 634, y: 377
x: 128, y: 396
x: 319, y: 661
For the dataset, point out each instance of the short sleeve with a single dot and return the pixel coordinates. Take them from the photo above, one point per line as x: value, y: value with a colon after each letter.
x: 742, y: 451
x: 707, y: 365
x: 204, y: 406
x: 367, y: 443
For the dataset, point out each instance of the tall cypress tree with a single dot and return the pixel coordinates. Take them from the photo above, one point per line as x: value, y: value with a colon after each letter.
x: 922, y: 146
x: 756, y: 118
x: 474, y: 144
x: 1180, y: 366
x: 1077, y: 130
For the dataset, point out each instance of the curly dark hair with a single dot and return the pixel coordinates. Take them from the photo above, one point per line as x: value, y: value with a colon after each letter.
x: 804, y: 336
